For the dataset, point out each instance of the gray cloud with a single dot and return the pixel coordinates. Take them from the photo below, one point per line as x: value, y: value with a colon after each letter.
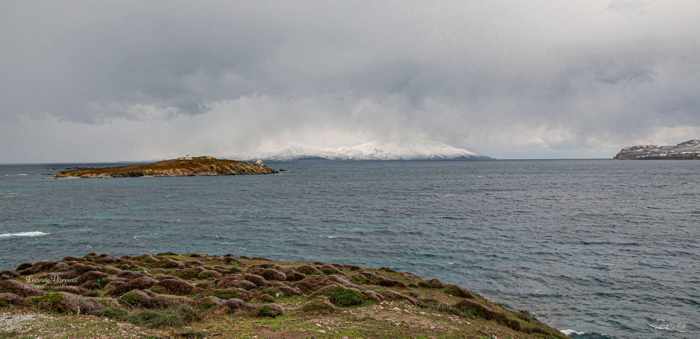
x: 115, y: 80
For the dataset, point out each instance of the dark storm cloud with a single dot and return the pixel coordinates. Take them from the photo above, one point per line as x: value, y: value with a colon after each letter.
x: 127, y: 79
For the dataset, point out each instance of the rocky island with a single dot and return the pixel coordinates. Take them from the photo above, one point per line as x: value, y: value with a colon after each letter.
x: 171, y: 295
x: 185, y: 166
x: 689, y: 150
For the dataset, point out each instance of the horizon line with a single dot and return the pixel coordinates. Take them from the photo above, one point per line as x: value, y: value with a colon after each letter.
x: 318, y: 159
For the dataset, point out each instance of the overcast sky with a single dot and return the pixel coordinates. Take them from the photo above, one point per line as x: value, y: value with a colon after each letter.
x: 136, y: 80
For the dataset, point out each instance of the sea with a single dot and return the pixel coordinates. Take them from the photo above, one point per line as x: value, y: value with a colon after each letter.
x: 596, y: 248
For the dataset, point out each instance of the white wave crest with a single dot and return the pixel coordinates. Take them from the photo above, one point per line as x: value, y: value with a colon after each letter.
x: 22, y: 234
x: 569, y: 332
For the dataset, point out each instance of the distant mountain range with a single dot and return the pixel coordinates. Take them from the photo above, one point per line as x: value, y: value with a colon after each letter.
x: 377, y: 151
x: 689, y: 150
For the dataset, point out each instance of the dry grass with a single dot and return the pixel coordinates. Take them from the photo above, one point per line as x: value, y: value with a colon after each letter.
x: 238, y: 302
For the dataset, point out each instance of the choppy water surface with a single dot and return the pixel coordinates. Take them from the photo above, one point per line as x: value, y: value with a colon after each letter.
x: 595, y: 246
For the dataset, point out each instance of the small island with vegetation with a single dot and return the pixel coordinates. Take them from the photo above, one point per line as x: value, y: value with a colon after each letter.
x: 689, y: 150
x: 171, y: 295
x: 184, y: 166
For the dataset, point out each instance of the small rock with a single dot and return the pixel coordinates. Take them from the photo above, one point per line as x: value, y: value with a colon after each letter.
x: 293, y: 275
x: 236, y: 305
x: 177, y: 286
x: 272, y: 274
x: 255, y: 279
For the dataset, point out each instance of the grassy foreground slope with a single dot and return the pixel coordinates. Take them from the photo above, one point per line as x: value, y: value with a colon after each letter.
x: 176, y: 167
x: 197, y: 296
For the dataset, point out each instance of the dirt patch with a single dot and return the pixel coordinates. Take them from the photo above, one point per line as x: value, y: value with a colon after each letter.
x: 17, y: 322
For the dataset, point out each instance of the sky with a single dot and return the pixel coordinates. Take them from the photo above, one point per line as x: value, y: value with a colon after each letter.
x: 138, y: 80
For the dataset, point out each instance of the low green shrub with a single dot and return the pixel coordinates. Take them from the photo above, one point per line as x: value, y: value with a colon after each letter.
x: 226, y: 293
x: 170, y: 317
x: 135, y: 298
x: 115, y: 313
x: 51, y: 301
x: 345, y: 297
x: 317, y: 306
x: 269, y: 311
x: 192, y: 335
x: 100, y: 283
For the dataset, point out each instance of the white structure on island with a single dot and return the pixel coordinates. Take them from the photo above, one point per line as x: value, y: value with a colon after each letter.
x: 190, y: 157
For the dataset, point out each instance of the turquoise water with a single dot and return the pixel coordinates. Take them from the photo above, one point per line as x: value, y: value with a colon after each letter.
x: 600, y: 246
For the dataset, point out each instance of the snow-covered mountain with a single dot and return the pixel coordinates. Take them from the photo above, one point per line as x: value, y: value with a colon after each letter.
x: 377, y: 151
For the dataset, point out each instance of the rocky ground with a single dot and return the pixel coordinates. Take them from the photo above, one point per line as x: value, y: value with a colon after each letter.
x: 191, y: 166
x: 197, y: 296
x: 689, y: 150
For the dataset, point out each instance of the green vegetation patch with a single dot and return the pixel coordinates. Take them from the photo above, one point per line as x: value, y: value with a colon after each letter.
x: 345, y: 297
x: 52, y: 301
x: 318, y: 306
x: 115, y: 313
x: 135, y: 298
x: 227, y: 293
x: 457, y: 291
x: 172, y: 317
x: 269, y: 311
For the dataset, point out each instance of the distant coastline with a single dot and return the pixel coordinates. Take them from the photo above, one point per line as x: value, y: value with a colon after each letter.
x: 315, y: 157
x: 688, y: 150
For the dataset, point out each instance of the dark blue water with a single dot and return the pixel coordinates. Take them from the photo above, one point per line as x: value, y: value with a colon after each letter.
x: 596, y: 246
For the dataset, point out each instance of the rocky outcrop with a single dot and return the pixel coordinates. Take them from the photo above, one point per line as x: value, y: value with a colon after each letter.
x: 689, y: 150
x: 188, y: 166
x: 150, y: 291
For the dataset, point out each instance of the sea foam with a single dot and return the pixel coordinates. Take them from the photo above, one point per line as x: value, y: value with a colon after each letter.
x: 668, y: 325
x: 22, y: 234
